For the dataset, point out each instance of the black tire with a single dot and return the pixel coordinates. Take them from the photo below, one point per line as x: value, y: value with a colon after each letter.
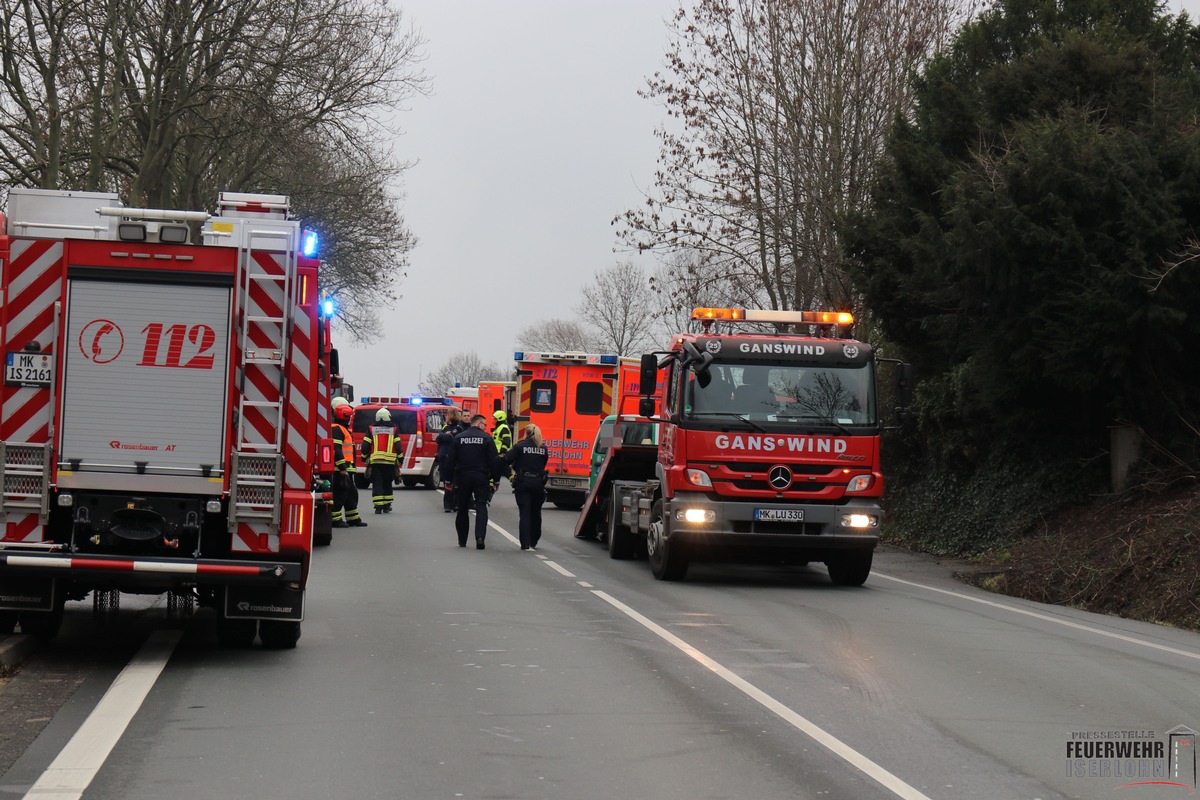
x: 622, y: 544
x: 322, y: 539
x: 850, y: 569
x: 279, y: 634
x: 409, y: 483
x: 8, y: 621
x: 667, y: 561
x: 435, y: 477
x: 360, y: 481
x: 236, y: 633
x: 43, y: 625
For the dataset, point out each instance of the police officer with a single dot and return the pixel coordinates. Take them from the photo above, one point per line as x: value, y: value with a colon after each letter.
x: 454, y: 426
x: 380, y: 451
x: 528, y: 463
x: 345, y: 493
x: 472, y: 463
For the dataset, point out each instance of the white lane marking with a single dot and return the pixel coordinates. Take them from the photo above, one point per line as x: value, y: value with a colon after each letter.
x: 1044, y: 617
x: 70, y: 773
x: 817, y: 734
x: 558, y: 569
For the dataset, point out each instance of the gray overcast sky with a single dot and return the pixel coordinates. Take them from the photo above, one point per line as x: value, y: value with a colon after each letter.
x: 532, y: 140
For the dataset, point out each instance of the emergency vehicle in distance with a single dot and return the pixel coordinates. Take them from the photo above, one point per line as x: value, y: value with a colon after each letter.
x: 158, y: 419
x: 768, y: 450
x: 567, y: 395
x: 417, y: 421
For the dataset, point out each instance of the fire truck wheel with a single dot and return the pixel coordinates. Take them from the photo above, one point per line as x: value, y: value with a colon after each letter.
x: 621, y: 542
x: 236, y: 633
x: 850, y: 569
x: 435, y: 477
x: 279, y: 634
x: 409, y: 483
x: 360, y: 480
x: 42, y: 625
x: 666, y: 562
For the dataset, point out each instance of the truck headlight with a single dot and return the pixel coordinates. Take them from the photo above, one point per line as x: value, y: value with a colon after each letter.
x: 695, y: 515
x: 859, y: 520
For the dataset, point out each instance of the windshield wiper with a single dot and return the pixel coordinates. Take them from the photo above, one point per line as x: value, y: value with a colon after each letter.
x: 819, y: 420
x: 742, y: 417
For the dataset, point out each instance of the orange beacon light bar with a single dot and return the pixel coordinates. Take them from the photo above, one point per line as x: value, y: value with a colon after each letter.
x: 778, y: 317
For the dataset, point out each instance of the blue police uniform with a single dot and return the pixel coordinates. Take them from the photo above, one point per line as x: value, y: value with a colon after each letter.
x: 472, y: 463
x: 528, y: 462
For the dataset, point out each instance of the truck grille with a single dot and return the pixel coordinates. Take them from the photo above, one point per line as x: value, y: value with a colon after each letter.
x: 777, y: 528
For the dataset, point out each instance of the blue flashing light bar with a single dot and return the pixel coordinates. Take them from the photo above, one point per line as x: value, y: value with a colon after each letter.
x: 517, y: 356
x: 310, y: 243
x: 608, y: 359
x: 327, y: 308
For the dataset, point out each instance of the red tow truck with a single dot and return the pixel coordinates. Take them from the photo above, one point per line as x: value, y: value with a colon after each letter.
x: 768, y: 449
x: 158, y: 418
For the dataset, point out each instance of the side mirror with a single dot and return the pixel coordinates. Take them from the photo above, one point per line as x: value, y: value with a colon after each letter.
x: 646, y: 407
x: 335, y: 369
x: 904, y: 389
x: 648, y: 374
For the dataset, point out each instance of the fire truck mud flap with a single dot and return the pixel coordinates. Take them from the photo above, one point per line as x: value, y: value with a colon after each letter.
x: 27, y: 593
x: 279, y: 603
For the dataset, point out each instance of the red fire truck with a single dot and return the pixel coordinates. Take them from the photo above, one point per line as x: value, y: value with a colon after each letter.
x: 158, y: 416
x: 418, y: 421
x: 768, y: 450
x: 567, y: 395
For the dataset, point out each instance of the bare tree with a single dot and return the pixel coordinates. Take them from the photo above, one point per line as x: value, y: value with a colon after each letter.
x: 169, y: 102
x: 559, y: 336
x: 619, y: 305
x: 463, y: 369
x: 780, y: 108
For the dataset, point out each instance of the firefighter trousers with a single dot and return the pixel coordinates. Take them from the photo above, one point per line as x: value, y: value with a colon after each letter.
x: 382, y: 478
x: 345, y: 499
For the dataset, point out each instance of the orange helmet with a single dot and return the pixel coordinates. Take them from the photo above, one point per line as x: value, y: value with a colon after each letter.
x: 343, y: 413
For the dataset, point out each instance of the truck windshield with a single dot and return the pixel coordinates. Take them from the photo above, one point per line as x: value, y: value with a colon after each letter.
x: 764, y: 393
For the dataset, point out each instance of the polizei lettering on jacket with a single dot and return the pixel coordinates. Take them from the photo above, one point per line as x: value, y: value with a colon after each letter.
x: 790, y: 444
x: 471, y: 440
x: 788, y: 348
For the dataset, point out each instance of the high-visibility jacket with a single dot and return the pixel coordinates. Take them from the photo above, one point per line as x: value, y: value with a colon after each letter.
x: 379, y: 447
x: 343, y: 448
x: 502, y: 436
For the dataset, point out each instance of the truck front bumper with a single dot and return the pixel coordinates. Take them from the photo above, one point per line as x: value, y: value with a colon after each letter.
x: 737, y: 529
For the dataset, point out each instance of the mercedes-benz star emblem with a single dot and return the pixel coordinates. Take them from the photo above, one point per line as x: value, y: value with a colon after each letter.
x: 779, y: 477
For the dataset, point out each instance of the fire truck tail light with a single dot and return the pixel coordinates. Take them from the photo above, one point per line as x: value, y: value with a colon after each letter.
x: 859, y: 521
x: 66, y: 500
x: 698, y: 477
x: 420, y: 440
x: 696, y: 515
x: 859, y: 483
x: 213, y: 506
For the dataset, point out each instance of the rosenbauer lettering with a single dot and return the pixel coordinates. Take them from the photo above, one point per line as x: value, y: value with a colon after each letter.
x: 790, y: 444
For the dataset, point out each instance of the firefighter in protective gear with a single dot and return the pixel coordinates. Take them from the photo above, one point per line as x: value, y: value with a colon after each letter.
x: 380, y: 449
x: 345, y: 493
x: 501, y: 434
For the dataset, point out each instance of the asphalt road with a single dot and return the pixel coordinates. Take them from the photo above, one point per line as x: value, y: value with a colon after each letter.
x: 430, y: 671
